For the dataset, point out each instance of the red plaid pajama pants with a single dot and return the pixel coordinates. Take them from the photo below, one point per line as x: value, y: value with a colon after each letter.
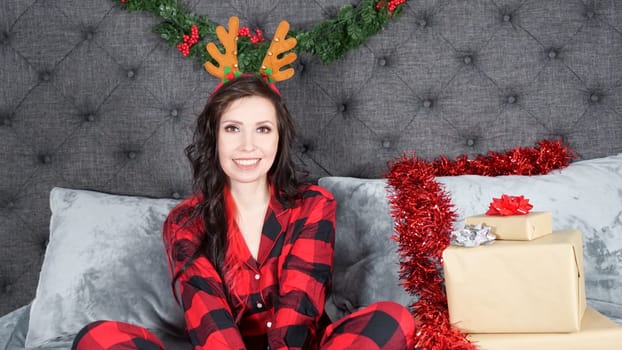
x: 382, y: 325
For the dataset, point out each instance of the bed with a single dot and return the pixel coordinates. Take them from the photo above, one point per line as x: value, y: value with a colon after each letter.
x: 95, y: 107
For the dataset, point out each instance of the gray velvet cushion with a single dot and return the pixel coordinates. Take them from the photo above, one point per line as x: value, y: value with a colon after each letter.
x: 586, y: 195
x: 13, y: 328
x: 366, y: 261
x: 105, y: 260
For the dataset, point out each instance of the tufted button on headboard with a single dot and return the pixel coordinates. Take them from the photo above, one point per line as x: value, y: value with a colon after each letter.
x: 92, y: 98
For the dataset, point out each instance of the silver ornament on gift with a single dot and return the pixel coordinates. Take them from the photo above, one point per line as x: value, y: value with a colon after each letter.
x: 472, y: 236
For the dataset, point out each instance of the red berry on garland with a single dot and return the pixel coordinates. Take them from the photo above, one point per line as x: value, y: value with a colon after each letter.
x: 188, y: 40
x: 184, y: 49
x: 393, y: 4
x: 194, y: 34
x: 244, y: 31
x: 259, y: 35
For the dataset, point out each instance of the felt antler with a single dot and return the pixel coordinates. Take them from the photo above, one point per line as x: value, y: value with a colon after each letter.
x: 228, y: 61
x: 272, y: 64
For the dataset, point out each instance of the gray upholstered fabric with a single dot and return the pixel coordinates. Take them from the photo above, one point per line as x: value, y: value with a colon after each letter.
x: 587, y: 195
x: 12, y: 325
x: 366, y: 260
x: 91, y: 98
x: 13, y: 328
x: 105, y: 261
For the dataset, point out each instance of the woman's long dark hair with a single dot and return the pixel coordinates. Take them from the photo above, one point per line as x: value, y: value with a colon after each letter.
x: 209, y: 177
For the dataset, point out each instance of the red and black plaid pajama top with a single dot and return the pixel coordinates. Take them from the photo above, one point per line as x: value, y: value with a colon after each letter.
x: 277, y: 300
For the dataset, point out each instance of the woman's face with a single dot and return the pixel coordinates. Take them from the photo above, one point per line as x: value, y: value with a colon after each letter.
x: 248, y: 140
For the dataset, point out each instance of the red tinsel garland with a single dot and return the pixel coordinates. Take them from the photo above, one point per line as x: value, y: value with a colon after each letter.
x: 424, y: 215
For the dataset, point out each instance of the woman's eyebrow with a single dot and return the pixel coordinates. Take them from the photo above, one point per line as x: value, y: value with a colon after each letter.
x: 234, y: 121
x: 264, y: 122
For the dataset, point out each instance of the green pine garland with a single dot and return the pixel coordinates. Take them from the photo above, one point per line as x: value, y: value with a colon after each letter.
x: 329, y: 40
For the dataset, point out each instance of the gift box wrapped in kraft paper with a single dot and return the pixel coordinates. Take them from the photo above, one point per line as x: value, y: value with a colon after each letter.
x: 517, y: 286
x: 516, y: 227
x: 597, y: 333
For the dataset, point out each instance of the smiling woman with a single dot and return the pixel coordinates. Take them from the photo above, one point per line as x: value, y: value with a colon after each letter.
x: 251, y: 252
x: 248, y: 141
x: 99, y: 101
x: 247, y: 146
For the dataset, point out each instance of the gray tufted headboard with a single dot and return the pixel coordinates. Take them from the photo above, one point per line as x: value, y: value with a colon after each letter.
x: 91, y: 98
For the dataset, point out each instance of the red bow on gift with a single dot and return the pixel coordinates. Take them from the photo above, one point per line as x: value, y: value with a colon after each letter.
x: 509, y: 205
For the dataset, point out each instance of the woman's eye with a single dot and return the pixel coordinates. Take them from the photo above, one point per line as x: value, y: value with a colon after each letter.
x: 264, y: 129
x: 231, y: 128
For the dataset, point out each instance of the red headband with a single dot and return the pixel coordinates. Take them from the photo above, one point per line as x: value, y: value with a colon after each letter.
x: 271, y: 84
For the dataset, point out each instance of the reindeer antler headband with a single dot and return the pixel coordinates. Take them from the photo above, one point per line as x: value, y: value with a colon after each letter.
x: 272, y: 64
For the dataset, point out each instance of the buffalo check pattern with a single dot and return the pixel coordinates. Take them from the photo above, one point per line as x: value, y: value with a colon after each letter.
x: 276, y: 300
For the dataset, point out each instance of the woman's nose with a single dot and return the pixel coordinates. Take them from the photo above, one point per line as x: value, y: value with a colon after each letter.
x: 248, y: 141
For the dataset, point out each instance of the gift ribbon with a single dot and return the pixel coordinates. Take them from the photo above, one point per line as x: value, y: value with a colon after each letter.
x: 509, y: 205
x: 472, y: 236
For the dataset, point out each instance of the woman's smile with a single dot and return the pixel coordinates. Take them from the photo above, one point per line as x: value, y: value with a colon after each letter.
x: 247, y: 163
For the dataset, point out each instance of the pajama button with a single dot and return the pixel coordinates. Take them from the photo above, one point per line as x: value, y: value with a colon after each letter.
x: 257, y: 276
x: 269, y: 324
x: 259, y: 305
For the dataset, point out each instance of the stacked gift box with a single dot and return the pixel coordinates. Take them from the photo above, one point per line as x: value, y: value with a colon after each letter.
x: 525, y: 289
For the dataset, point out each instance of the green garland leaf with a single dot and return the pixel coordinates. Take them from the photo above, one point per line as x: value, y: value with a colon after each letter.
x: 329, y: 40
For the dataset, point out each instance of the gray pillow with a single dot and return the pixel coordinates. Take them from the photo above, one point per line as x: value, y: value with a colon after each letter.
x: 586, y: 195
x: 366, y: 260
x: 105, y: 260
x: 13, y: 328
